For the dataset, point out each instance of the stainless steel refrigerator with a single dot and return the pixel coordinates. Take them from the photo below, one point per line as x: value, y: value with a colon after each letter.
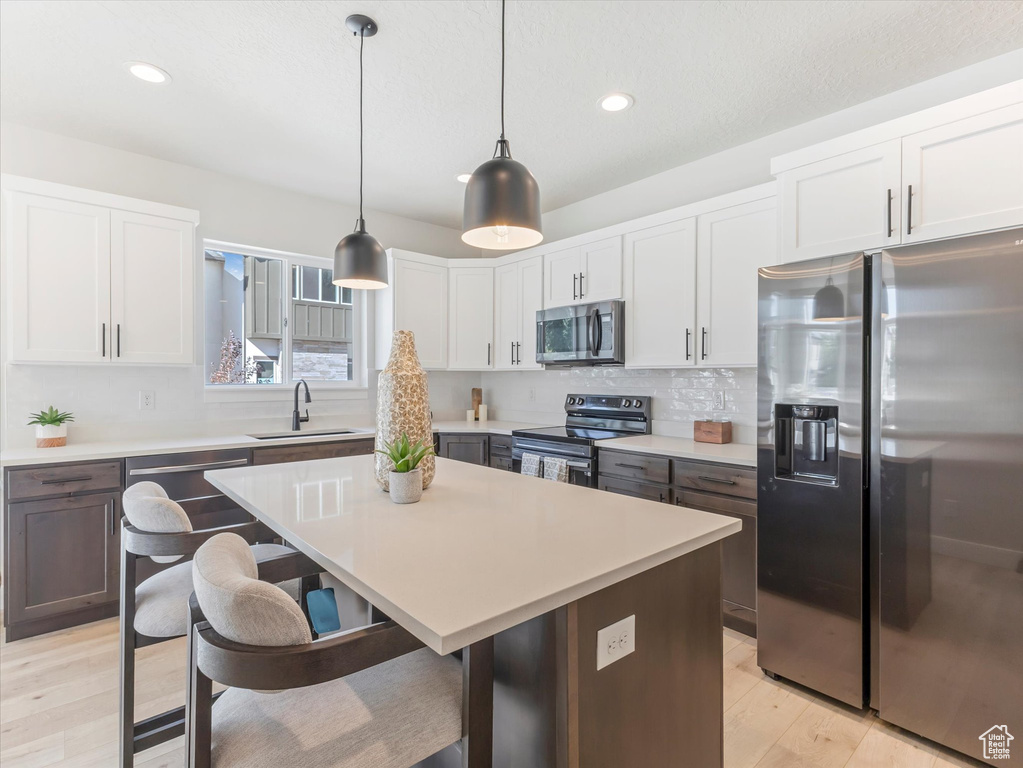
x: 890, y: 485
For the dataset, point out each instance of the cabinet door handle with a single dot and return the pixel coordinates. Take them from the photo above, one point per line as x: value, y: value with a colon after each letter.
x: 575, y: 277
x: 110, y: 511
x: 909, y: 210
x: 513, y: 353
x: 103, y: 333
x: 66, y: 480
x: 581, y: 294
x: 688, y: 334
x: 703, y: 343
x: 118, y: 339
x: 710, y: 479
x: 518, y: 353
x: 661, y: 497
x: 890, y: 233
x: 488, y: 353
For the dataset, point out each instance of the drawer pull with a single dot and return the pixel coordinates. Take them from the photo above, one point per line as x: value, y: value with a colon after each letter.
x: 66, y: 480
x: 187, y: 467
x: 710, y: 479
x: 629, y: 466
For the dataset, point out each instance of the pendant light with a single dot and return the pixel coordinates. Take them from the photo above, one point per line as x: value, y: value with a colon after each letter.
x: 359, y: 260
x: 502, y: 199
x: 828, y: 302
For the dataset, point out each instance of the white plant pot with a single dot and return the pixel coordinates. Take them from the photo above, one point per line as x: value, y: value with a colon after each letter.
x: 51, y: 435
x: 406, y: 487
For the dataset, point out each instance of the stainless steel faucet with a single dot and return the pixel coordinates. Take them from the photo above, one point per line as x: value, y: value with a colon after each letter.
x: 296, y: 417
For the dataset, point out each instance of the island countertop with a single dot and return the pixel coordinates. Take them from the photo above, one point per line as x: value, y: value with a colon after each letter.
x: 483, y: 551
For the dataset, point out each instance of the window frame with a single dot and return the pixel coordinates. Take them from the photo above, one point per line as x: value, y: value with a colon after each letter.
x: 328, y: 390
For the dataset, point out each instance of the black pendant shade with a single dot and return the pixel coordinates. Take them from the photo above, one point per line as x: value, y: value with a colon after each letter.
x: 829, y: 303
x: 502, y: 199
x: 502, y: 204
x: 359, y: 260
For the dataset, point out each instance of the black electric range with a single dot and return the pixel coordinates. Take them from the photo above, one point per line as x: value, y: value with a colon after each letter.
x: 588, y: 418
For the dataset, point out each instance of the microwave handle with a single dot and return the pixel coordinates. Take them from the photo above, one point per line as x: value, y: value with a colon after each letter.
x: 595, y: 332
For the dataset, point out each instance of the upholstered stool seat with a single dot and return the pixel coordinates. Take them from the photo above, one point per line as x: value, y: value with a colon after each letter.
x: 389, y: 716
x: 161, y: 601
x: 389, y: 712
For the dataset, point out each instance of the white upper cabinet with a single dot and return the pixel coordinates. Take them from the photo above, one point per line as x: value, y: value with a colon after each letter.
x: 470, y: 318
x: 951, y: 170
x: 518, y: 295
x: 507, y: 315
x: 88, y: 269
x: 59, y: 261
x: 530, y: 302
x: 584, y: 274
x: 731, y: 245
x: 965, y: 177
x: 842, y: 204
x: 660, y: 296
x: 152, y: 261
x: 416, y: 300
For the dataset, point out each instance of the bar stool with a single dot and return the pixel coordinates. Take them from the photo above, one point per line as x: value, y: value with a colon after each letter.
x: 370, y: 696
x: 157, y: 609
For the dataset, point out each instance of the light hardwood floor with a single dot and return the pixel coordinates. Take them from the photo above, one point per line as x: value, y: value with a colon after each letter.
x: 58, y: 707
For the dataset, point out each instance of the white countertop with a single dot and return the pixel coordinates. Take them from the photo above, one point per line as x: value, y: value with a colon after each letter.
x: 116, y: 449
x: 741, y: 454
x: 483, y: 551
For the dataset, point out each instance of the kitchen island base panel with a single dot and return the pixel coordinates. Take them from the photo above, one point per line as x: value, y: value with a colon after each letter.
x: 659, y: 706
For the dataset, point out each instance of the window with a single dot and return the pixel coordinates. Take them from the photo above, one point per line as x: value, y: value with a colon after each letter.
x: 272, y: 319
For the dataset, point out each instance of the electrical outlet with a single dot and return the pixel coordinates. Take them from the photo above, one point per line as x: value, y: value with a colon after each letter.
x: 532, y: 394
x: 147, y: 400
x: 616, y: 641
x: 719, y: 401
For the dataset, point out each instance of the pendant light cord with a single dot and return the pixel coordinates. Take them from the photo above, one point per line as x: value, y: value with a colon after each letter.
x: 502, y: 69
x: 362, y: 44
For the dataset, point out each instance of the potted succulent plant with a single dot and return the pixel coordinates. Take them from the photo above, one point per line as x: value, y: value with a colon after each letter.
x: 51, y: 427
x: 405, y: 482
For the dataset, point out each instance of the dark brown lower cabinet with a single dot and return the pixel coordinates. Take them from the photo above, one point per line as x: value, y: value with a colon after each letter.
x: 63, y: 562
x: 473, y: 449
x: 738, y: 557
x: 651, y: 491
x: 309, y: 451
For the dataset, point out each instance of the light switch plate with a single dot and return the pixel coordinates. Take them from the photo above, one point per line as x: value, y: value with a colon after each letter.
x: 616, y: 641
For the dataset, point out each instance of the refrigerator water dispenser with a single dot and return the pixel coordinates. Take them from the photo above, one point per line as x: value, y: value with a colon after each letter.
x: 806, y: 444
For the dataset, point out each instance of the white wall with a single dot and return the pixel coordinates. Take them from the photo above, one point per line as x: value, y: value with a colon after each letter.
x: 104, y: 398
x: 680, y: 396
x: 749, y: 164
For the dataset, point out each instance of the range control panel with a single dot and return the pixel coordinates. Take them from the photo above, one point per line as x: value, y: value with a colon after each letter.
x: 599, y: 403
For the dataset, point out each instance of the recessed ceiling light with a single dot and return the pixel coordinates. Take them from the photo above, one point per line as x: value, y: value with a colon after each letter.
x: 147, y: 72
x: 464, y: 177
x: 616, y: 102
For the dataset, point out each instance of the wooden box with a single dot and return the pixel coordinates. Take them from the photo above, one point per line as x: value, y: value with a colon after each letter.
x: 712, y: 431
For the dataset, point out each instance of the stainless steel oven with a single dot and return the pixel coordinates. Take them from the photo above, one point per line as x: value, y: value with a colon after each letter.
x: 582, y: 466
x: 586, y: 334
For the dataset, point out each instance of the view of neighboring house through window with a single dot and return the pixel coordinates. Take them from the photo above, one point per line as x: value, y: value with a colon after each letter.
x: 272, y: 321
x: 321, y: 331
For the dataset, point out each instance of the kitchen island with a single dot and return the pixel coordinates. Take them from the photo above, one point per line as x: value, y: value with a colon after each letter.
x: 539, y: 567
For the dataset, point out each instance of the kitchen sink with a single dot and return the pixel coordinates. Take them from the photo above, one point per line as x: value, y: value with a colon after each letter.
x: 309, y: 433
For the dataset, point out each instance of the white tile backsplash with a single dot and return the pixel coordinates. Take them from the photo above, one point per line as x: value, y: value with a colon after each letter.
x: 680, y: 396
x: 105, y: 402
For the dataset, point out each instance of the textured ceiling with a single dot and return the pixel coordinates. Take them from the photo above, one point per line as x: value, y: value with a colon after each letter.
x: 267, y: 90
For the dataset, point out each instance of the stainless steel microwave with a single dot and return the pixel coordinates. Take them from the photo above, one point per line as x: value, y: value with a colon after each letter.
x: 586, y: 334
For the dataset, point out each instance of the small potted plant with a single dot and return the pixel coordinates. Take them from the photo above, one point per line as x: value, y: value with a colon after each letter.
x: 406, y: 479
x: 51, y: 427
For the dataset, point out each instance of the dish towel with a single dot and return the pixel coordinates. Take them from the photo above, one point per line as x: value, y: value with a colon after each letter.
x: 555, y: 469
x: 531, y: 464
